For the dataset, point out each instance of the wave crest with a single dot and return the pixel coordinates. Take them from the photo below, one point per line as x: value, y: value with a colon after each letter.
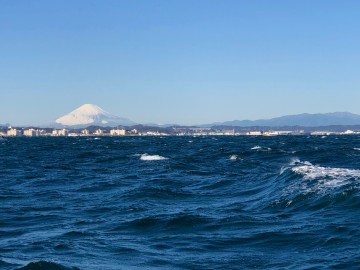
x: 148, y: 157
x: 317, y: 179
x: 311, y: 172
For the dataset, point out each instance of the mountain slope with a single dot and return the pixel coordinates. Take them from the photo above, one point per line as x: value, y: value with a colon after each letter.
x: 305, y: 119
x: 90, y: 114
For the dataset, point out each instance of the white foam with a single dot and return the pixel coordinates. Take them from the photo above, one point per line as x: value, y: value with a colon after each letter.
x: 311, y: 172
x: 319, y: 178
x: 148, y: 157
x: 257, y: 147
x: 358, y: 149
x: 233, y: 157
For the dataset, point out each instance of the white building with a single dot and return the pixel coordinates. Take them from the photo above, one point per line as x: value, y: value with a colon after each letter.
x: 14, y: 132
x: 119, y: 132
x: 99, y: 132
x: 85, y: 132
x: 63, y: 132
x: 60, y: 132
x: 254, y: 133
x: 277, y: 132
x: 31, y: 132
x: 320, y: 133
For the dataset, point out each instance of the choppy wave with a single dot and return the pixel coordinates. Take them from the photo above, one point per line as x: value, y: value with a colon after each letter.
x: 305, y: 186
x: 104, y: 204
x: 314, y: 172
x: 319, y: 179
x: 327, y: 176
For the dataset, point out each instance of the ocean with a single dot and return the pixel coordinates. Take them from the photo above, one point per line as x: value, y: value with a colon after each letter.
x: 222, y: 202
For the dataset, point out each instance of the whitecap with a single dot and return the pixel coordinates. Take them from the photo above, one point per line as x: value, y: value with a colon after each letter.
x: 311, y: 172
x: 319, y: 179
x: 257, y: 147
x: 233, y: 157
x: 148, y: 157
x: 358, y: 149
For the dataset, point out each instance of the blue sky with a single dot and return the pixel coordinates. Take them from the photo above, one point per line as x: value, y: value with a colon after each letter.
x: 186, y: 62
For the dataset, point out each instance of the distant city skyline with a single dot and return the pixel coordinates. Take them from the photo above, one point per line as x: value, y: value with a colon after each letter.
x: 184, y: 62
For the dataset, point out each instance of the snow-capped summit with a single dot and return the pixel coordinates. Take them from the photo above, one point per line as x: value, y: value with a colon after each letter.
x: 90, y: 114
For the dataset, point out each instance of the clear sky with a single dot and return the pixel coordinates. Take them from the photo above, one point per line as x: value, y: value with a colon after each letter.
x: 178, y: 61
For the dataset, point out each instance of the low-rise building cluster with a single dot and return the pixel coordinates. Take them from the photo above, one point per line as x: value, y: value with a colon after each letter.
x: 151, y: 131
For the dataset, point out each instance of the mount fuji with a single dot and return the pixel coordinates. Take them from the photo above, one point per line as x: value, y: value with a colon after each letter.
x: 90, y: 114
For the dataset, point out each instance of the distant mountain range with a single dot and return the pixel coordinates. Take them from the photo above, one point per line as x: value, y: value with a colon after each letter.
x: 91, y: 115
x: 305, y: 120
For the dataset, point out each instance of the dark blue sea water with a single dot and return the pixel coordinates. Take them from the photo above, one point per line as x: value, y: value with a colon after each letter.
x: 287, y: 202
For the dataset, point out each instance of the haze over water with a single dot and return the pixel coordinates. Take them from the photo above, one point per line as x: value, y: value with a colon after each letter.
x: 286, y: 202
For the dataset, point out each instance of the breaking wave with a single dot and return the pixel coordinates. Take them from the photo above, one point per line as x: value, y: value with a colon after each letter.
x: 152, y: 157
x: 328, y: 175
x: 311, y: 172
x: 302, y: 184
